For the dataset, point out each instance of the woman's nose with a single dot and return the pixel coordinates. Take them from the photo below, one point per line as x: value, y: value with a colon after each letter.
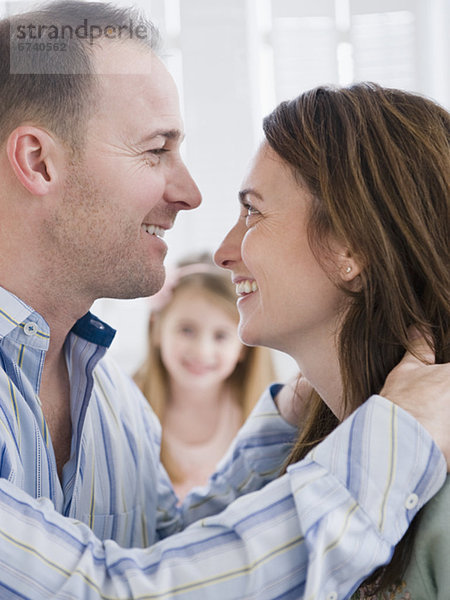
x: 229, y: 251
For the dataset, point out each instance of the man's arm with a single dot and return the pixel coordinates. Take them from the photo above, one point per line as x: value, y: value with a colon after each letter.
x: 254, y: 459
x: 316, y: 531
x: 422, y: 387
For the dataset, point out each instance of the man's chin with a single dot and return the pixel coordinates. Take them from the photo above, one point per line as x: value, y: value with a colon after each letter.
x: 139, y: 289
x: 156, y: 282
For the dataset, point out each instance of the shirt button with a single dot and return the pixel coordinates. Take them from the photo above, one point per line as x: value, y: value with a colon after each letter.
x: 97, y: 324
x: 332, y: 596
x: 411, y: 501
x: 30, y: 328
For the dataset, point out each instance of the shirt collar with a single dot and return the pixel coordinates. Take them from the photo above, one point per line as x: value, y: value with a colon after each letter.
x: 92, y: 329
x: 32, y: 329
x: 20, y: 321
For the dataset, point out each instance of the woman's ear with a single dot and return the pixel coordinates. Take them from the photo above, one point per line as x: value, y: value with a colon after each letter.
x: 349, y: 266
x: 31, y: 152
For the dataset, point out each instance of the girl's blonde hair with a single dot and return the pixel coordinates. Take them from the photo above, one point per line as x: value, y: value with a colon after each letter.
x: 252, y: 374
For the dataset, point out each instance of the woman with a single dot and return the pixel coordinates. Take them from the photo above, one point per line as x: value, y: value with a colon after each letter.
x: 350, y: 193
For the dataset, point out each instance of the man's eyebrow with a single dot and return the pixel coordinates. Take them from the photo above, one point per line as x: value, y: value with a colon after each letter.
x: 169, y: 134
x: 249, y: 192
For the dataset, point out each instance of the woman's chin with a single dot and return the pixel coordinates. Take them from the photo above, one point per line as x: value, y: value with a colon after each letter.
x: 253, y: 336
x: 249, y: 336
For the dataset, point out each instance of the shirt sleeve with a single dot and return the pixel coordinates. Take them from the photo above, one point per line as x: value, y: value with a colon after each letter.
x: 313, y: 533
x: 255, y: 458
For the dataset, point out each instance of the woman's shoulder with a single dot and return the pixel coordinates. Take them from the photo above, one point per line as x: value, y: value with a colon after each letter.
x: 431, y: 551
x: 440, y: 502
x: 428, y: 574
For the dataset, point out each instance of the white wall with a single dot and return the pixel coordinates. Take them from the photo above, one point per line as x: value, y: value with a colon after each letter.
x: 234, y: 60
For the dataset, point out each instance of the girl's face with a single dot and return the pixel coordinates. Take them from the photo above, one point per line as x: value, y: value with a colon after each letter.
x: 198, y: 341
x: 286, y: 299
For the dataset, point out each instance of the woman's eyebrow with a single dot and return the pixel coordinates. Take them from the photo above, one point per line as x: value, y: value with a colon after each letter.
x: 249, y: 192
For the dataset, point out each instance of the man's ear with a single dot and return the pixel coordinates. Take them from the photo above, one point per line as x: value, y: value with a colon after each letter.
x: 31, y: 152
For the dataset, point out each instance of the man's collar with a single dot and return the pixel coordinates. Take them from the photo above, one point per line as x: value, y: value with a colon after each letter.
x: 14, y: 313
x: 92, y: 329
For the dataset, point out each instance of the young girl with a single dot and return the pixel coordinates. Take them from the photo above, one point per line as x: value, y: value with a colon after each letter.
x: 199, y: 378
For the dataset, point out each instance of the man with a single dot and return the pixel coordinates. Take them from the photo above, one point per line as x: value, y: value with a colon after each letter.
x: 91, y: 177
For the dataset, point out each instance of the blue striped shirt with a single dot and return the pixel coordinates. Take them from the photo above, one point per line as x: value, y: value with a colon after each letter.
x: 318, y: 530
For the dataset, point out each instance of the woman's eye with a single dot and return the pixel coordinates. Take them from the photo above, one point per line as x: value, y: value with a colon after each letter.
x: 250, y: 211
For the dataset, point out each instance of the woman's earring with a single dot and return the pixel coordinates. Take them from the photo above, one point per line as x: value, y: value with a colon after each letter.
x: 348, y: 269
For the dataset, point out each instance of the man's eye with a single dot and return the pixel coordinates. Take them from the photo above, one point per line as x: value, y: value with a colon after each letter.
x: 153, y: 156
x: 158, y: 151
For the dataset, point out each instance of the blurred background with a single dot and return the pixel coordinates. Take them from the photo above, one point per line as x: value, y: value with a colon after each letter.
x: 234, y: 60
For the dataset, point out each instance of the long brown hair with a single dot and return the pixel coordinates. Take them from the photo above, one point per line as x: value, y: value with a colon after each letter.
x: 378, y: 164
x: 252, y: 374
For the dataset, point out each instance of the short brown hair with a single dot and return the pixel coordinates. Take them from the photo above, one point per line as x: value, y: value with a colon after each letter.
x: 56, y: 88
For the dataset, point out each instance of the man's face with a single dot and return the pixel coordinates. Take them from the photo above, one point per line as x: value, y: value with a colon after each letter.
x: 129, y: 182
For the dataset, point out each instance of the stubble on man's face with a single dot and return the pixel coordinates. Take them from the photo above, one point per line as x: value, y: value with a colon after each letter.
x: 95, y: 244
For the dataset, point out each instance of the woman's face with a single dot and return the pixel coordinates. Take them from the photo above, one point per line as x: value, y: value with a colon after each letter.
x: 286, y: 299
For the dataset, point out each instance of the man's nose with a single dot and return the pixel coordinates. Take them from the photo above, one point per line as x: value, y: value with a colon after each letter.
x: 182, y: 190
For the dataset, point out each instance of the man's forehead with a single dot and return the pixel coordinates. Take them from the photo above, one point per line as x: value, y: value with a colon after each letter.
x: 129, y: 69
x: 135, y: 105
x: 125, y: 58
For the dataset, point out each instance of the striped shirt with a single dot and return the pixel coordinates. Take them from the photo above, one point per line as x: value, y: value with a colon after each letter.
x: 315, y: 532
